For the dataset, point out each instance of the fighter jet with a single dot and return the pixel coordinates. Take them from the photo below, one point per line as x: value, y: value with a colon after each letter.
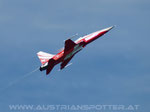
x: 71, y: 48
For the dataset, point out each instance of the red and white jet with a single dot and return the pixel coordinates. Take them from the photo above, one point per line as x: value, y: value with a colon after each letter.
x: 71, y: 48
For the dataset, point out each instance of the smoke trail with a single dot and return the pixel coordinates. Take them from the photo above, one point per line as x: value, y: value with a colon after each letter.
x: 19, y: 79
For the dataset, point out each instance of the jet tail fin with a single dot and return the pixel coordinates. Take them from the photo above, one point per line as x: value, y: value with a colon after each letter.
x: 44, y: 57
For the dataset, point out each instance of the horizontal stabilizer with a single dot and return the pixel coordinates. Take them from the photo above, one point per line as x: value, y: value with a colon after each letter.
x: 51, y: 64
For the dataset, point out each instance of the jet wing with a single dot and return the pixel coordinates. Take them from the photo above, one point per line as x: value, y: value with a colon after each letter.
x: 69, y: 44
x: 65, y: 62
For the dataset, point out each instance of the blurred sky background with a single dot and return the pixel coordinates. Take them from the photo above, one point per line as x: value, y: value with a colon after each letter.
x: 114, y: 69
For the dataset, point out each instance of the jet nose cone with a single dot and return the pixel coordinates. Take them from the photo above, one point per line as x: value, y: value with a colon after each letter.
x: 109, y: 28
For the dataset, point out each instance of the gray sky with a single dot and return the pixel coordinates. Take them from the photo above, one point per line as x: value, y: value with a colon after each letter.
x: 112, y: 70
